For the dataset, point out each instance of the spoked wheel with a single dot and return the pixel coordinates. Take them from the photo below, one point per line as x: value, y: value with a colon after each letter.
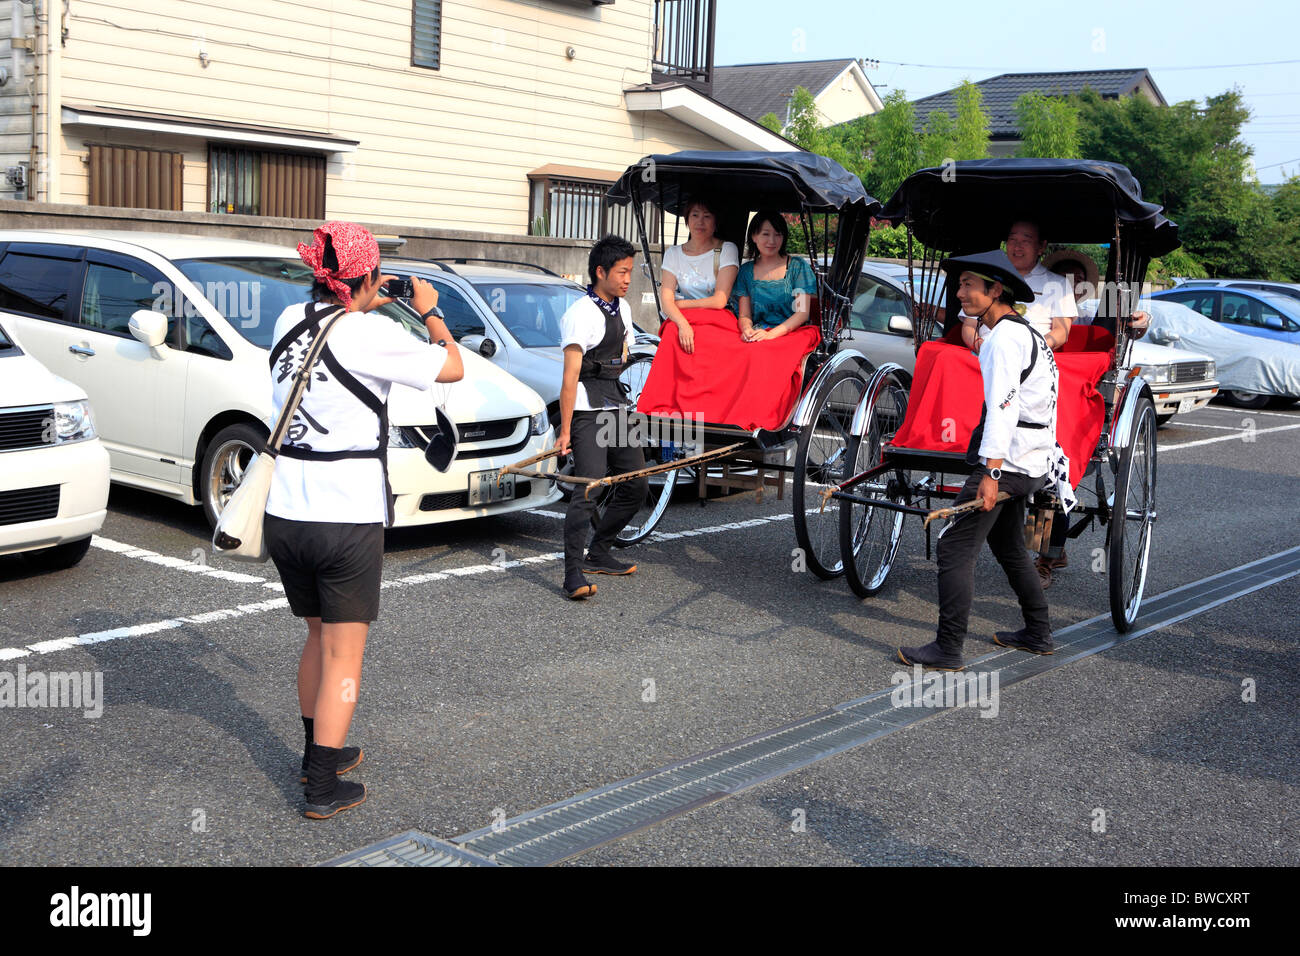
x: 661, y: 487
x: 820, y: 462
x: 869, y: 536
x: 1132, y: 514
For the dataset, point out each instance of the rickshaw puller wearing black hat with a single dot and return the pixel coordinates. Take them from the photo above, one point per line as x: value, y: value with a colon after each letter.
x: 1013, y: 450
x: 596, y: 333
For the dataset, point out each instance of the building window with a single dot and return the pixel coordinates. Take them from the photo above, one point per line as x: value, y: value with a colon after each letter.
x: 262, y: 183
x: 564, y: 205
x: 135, y: 178
x: 426, y: 33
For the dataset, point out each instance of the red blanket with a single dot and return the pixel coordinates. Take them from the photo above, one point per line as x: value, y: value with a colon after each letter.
x: 948, y: 393
x: 727, y: 381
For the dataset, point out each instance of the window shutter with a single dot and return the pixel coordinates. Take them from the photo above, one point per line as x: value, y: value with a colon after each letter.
x: 426, y: 33
x: 135, y: 178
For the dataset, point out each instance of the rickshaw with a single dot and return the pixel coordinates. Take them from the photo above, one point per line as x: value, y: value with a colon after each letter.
x: 834, y: 218
x: 909, y: 437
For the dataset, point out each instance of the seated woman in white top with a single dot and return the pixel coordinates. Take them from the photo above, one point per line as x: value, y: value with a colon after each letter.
x: 690, y: 278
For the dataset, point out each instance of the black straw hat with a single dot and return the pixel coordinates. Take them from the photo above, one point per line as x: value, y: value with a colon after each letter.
x: 993, y: 266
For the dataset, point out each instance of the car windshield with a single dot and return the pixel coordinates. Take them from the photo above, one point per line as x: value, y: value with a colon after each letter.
x: 252, y: 292
x: 5, y: 341
x: 530, y: 311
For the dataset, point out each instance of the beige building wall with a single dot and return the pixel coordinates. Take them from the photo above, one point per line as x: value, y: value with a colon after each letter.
x: 843, y: 100
x: 446, y: 148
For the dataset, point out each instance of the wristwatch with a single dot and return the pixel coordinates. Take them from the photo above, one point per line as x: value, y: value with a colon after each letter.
x: 435, y: 311
x: 995, y: 474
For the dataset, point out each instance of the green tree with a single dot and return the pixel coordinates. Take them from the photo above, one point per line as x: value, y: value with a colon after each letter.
x: 771, y: 121
x: 1049, y: 126
x: 937, y: 140
x: 971, y: 134
x: 896, y: 150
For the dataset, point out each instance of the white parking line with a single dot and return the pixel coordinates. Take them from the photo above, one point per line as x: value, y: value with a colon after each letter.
x: 176, y: 564
x: 410, y: 580
x: 1239, y: 437
x: 1243, y: 411
x: 1227, y: 428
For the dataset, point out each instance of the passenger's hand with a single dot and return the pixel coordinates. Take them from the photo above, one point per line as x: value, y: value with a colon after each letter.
x: 975, y: 346
x: 1138, y: 325
x: 425, y: 296
x: 686, y: 337
x: 762, y: 335
x: 989, y: 492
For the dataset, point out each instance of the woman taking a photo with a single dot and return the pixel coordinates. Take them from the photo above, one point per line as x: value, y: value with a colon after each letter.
x: 699, y: 273
x: 329, y: 501
x: 775, y: 290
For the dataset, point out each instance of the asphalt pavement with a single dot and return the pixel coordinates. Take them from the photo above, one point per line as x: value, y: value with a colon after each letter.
x: 486, y: 694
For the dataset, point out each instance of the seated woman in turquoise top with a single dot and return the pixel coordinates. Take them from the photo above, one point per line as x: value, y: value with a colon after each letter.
x: 774, y: 291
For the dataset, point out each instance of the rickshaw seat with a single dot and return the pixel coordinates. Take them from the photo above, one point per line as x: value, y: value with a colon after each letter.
x: 947, y: 396
x: 727, y: 381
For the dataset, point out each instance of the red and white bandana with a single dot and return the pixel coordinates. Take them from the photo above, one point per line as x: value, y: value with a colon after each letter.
x: 356, y: 249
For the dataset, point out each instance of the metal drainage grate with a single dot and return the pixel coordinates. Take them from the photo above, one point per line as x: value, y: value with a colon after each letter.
x: 562, y: 830
x: 412, y: 848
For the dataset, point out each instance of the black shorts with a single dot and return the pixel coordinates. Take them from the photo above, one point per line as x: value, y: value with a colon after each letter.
x: 330, y: 571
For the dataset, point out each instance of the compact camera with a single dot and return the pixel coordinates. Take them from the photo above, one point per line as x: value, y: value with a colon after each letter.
x: 398, y: 288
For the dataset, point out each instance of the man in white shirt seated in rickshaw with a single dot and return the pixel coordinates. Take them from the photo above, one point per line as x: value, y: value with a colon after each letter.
x: 1013, y: 450
x: 1053, y: 309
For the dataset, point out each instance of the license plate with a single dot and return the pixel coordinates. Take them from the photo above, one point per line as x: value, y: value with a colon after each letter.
x: 1186, y: 405
x: 484, y: 488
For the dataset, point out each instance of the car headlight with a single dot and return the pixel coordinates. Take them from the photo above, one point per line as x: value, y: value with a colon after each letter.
x: 539, y: 423
x: 1155, y: 374
x: 397, y: 438
x: 72, y: 422
x: 1211, y: 370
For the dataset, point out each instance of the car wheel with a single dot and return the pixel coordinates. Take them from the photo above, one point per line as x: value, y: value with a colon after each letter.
x: 59, y: 557
x: 224, y: 463
x: 1247, y: 399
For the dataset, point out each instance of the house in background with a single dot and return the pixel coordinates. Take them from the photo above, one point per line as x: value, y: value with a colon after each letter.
x: 840, y: 89
x: 489, y: 115
x: 1001, y: 93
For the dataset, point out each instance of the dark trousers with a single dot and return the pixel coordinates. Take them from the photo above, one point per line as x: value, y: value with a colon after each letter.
x: 959, y: 545
x: 597, y: 452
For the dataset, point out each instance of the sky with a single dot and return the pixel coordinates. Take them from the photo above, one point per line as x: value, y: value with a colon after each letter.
x: 1193, y: 49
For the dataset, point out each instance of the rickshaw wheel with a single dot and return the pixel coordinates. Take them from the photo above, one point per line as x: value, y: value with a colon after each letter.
x: 869, y: 536
x: 1132, y: 515
x: 821, y: 461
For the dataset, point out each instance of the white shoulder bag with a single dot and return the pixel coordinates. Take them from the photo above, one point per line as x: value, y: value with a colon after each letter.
x: 239, y: 528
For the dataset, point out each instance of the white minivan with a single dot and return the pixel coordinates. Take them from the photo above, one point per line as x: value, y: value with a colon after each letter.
x: 53, y: 469
x: 170, y: 335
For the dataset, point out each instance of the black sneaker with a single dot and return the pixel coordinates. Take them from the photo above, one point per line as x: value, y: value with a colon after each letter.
x: 346, y: 796
x: 606, y: 563
x: 1021, y: 641
x: 578, y: 588
x: 933, y: 656
x: 349, y: 758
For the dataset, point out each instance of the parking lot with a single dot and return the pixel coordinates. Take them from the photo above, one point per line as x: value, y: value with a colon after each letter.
x: 486, y: 695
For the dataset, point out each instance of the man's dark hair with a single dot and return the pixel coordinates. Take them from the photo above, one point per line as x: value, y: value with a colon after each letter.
x: 606, y: 252
x: 1006, y: 298
x: 320, y: 292
x: 776, y: 221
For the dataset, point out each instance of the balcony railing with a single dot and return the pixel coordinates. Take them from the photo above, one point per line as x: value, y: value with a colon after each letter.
x: 683, y: 50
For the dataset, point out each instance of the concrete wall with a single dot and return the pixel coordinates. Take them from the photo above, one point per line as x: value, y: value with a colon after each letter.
x: 564, y: 256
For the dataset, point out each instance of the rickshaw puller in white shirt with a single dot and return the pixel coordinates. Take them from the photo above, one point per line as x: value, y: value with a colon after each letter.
x: 1014, y: 450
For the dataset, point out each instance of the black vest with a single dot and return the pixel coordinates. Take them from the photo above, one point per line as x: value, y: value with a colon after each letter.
x: 602, y: 365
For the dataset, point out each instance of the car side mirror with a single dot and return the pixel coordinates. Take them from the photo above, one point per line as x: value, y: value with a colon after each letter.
x: 900, y: 324
x: 481, y: 344
x: 149, y: 327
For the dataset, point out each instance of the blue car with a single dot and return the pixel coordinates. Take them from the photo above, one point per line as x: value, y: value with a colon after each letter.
x: 1269, y: 315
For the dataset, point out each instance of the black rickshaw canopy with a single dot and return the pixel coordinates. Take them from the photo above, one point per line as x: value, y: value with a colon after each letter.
x: 968, y: 205
x: 787, y: 182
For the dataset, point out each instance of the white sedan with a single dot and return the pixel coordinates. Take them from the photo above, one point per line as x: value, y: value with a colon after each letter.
x: 169, y: 336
